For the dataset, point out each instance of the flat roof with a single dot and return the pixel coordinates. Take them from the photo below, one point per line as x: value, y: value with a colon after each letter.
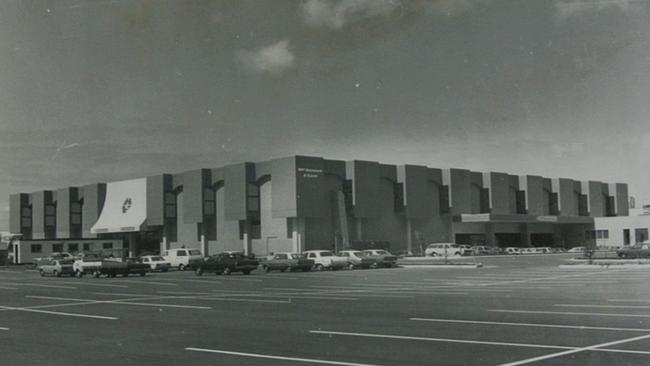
x: 523, y: 219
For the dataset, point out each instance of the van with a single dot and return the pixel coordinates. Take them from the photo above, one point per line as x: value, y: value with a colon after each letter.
x: 444, y: 249
x: 181, y: 257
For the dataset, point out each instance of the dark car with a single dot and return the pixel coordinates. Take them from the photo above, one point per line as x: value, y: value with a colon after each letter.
x: 288, y: 262
x: 226, y: 263
x: 382, y: 257
x: 124, y: 268
x: 641, y: 250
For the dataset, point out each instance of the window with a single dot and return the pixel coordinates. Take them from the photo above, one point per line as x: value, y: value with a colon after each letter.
x: 107, y: 245
x: 181, y: 253
x: 640, y: 235
x: 73, y: 247
x: 605, y: 234
x: 57, y: 247
x: 209, y: 204
x: 290, y: 224
x: 626, y: 236
x: 86, y: 247
x: 36, y: 248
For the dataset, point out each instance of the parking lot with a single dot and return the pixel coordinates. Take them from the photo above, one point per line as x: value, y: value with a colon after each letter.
x: 517, y: 310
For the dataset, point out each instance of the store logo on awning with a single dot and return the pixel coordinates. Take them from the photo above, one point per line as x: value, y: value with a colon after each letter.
x: 126, y: 205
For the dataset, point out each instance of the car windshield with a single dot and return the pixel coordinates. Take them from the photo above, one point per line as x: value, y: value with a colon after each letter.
x: 67, y: 261
x: 455, y: 246
x: 157, y: 259
x: 326, y: 254
x: 195, y: 252
x: 381, y: 252
x: 297, y: 256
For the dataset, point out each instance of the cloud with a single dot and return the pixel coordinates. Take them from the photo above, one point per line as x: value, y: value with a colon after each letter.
x: 274, y: 59
x: 574, y: 8
x: 336, y: 14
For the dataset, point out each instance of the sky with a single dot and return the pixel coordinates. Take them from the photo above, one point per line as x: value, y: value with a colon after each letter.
x: 100, y: 91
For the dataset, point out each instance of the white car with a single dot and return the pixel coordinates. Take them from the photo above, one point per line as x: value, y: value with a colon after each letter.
x: 180, y: 258
x: 358, y: 259
x: 443, y: 249
x: 156, y: 262
x: 577, y: 250
x: 325, y: 259
x: 513, y: 251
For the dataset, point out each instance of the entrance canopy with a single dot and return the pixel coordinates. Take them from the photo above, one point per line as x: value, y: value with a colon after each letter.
x: 125, y: 207
x: 523, y: 219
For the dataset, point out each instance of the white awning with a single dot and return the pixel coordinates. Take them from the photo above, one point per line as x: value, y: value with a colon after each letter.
x: 125, y: 207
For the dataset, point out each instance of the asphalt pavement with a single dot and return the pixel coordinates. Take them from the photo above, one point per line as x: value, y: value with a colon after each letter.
x: 516, y: 310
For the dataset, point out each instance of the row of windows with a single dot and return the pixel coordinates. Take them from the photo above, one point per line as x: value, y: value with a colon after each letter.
x: 597, y: 234
x: 72, y: 247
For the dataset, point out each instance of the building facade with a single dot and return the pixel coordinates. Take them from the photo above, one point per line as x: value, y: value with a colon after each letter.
x: 302, y: 202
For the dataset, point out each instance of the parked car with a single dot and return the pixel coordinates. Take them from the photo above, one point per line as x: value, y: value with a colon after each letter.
x: 111, y: 268
x: 442, y: 249
x: 288, y: 262
x: 62, y: 255
x: 480, y: 250
x: 577, y: 250
x: 543, y: 250
x: 513, y: 251
x: 87, y: 263
x: 383, y: 257
x: 156, y: 263
x: 225, y: 263
x: 640, y: 250
x: 357, y: 259
x: 325, y: 259
x: 56, y: 267
x: 181, y: 257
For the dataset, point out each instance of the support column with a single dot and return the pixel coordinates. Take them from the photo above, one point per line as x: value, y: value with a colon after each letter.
x: 359, y: 229
x: 132, y: 244
x: 299, y: 235
x: 409, y: 235
x: 247, y: 237
x: 525, y: 235
x: 490, y: 239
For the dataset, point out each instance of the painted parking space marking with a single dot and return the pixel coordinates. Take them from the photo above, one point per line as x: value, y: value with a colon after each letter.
x: 275, y: 357
x: 3, y: 328
x: 601, y: 306
x: 77, y: 315
x: 562, y: 326
x: 442, y: 340
x: 8, y: 288
x: 568, y: 313
x: 89, y: 283
x: 40, y: 285
x: 124, y: 302
x: 145, y: 282
x: 595, y: 347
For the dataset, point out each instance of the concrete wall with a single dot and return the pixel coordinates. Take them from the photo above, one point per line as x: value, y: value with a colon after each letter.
x: 17, y: 203
x: 274, y: 236
x: 66, y: 197
x: 498, y: 185
x: 93, y: 202
x: 365, y: 187
x: 616, y: 225
x: 459, y: 183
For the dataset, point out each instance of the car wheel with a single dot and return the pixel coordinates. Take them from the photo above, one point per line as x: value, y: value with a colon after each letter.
x: 42, y: 273
x: 267, y: 269
x: 227, y: 271
x: 56, y: 273
x: 181, y: 267
x: 96, y: 274
x: 247, y: 272
x: 374, y: 265
x: 78, y: 274
x: 351, y: 266
x: 318, y: 267
x: 142, y: 274
x: 198, y: 271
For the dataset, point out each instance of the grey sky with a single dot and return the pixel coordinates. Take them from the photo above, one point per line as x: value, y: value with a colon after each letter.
x: 107, y: 90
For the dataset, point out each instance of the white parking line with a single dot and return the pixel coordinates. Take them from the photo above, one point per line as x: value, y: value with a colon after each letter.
x: 443, y: 340
x: 569, y: 313
x: 124, y: 302
x: 595, y: 347
x: 603, y: 306
x: 579, y: 327
x: 273, y: 357
x: 89, y: 283
x: 629, y: 300
x: 148, y: 282
x: 8, y: 288
x: 3, y: 328
x: 40, y: 285
x: 30, y: 310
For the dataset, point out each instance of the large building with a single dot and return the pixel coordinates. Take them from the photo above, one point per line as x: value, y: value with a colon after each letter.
x: 298, y: 203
